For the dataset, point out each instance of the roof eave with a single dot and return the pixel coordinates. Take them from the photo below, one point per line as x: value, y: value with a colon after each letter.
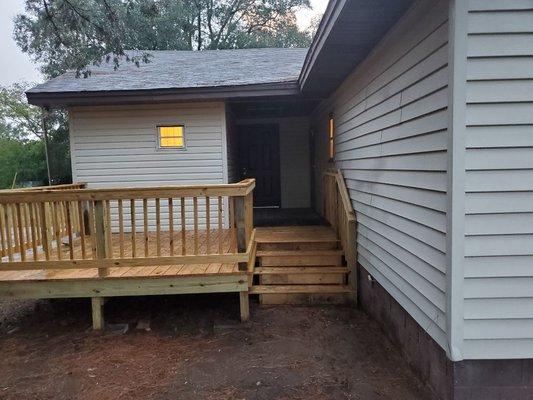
x: 124, y: 97
x: 331, y: 14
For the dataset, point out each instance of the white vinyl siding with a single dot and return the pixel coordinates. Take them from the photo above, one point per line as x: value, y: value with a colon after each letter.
x: 117, y: 147
x: 498, y: 287
x: 390, y: 143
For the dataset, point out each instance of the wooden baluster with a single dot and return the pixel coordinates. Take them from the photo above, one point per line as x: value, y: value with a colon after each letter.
x: 207, y: 223
x: 171, y: 225
x: 33, y: 228
x: 183, y: 246
x: 195, y: 213
x: 91, y: 229
x: 8, y: 232
x: 145, y: 220
x: 57, y: 232
x: 99, y: 226
x: 20, y: 224
x: 44, y: 232
x: 27, y: 225
x: 233, y: 223
x: 121, y: 227
x: 108, y: 232
x: 81, y: 227
x: 220, y: 230
x: 37, y: 216
x: 158, y: 226
x: 69, y: 231
x: 2, y: 233
x: 14, y: 224
x: 132, y: 213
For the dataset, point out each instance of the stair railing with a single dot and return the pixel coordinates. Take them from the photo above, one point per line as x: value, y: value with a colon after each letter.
x: 339, y: 213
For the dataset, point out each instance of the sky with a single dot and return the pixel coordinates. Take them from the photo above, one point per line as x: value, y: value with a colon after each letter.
x: 17, y: 66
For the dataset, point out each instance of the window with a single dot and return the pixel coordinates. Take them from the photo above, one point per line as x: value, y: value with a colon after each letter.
x: 171, y: 137
x: 331, y: 132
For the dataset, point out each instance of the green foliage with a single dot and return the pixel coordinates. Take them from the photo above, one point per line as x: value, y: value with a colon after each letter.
x: 73, y: 34
x: 21, y: 140
x: 26, y: 159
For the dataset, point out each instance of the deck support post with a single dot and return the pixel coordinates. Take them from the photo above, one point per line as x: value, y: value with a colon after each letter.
x: 244, y: 215
x: 245, y: 306
x: 97, y: 304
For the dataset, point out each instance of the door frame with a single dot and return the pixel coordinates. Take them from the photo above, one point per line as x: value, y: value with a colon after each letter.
x: 275, y: 131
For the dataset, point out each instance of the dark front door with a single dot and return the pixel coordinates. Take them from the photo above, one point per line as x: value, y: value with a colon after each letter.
x: 259, y: 159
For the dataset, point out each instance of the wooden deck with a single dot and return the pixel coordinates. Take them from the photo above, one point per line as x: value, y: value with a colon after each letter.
x: 98, y: 243
x: 129, y: 281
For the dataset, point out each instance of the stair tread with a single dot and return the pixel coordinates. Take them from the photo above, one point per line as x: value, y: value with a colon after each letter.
x: 300, y: 270
x: 297, y: 289
x: 297, y: 253
x: 297, y: 240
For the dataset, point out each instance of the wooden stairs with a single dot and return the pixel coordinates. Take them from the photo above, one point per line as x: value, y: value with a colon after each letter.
x: 300, y: 265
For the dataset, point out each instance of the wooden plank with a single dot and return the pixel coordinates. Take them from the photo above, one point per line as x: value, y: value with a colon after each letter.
x: 289, y: 289
x: 8, y: 230
x: 240, y: 223
x: 171, y: 225
x: 145, y: 227
x: 33, y: 228
x: 183, y: 226
x: 56, y: 228
x: 91, y: 229
x: 232, y: 189
x: 125, y: 262
x: 44, y: 232
x: 208, y: 224
x: 219, y: 215
x: 19, y: 234
x: 133, y: 228
x: 81, y: 223
x: 120, y: 227
x: 107, y: 227
x: 158, y: 226
x: 101, y: 245
x: 195, y: 216
x: 300, y: 270
x: 244, y: 306
x: 111, y: 287
x: 97, y: 307
x: 69, y: 231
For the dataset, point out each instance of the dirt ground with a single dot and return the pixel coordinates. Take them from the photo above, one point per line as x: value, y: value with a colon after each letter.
x: 197, y: 349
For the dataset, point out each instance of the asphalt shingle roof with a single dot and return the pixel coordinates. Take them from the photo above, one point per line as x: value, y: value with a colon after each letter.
x: 187, y: 69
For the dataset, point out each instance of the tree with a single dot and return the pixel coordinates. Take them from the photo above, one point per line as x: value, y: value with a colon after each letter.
x: 22, y: 149
x: 73, y: 34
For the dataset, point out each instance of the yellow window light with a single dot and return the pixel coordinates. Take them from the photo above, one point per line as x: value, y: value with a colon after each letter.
x: 331, y: 135
x: 171, y: 137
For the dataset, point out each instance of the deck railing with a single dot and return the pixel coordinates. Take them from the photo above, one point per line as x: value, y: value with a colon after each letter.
x: 338, y: 211
x: 21, y: 219
x: 65, y: 228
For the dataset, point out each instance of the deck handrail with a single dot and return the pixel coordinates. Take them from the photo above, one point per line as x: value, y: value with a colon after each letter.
x: 339, y: 213
x: 64, y: 186
x: 33, y: 221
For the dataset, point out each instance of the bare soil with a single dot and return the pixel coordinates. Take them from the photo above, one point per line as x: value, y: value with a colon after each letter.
x: 197, y: 349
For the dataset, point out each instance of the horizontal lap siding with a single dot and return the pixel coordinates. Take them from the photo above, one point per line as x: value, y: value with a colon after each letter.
x: 391, y: 140
x: 117, y: 147
x: 498, y: 286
